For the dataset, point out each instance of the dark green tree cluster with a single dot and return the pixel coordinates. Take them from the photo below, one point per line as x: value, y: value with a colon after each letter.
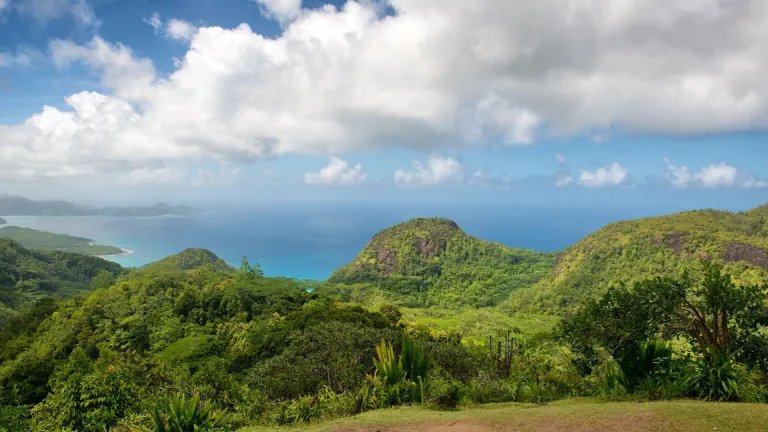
x: 29, y: 275
x: 723, y: 324
x: 243, y: 343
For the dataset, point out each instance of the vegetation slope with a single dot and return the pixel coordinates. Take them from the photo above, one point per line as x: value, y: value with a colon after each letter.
x: 188, y: 259
x: 34, y: 239
x: 629, y: 251
x: 27, y: 276
x: 426, y: 262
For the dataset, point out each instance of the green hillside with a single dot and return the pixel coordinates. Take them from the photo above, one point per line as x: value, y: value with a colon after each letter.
x: 34, y: 239
x: 630, y: 251
x: 188, y: 259
x: 427, y: 262
x: 28, y: 275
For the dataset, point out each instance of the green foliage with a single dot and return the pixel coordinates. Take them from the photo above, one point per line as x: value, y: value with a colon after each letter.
x: 388, y: 366
x: 632, y: 251
x: 391, y: 313
x: 188, y: 259
x: 716, y: 377
x: 645, y: 363
x: 713, y: 314
x: 34, y: 239
x: 446, y: 393
x: 103, y: 279
x: 86, y: 395
x: 27, y: 276
x: 248, y: 273
x: 427, y: 262
x: 191, y: 350
x: 413, y: 361
x: 177, y: 414
x: 334, y: 354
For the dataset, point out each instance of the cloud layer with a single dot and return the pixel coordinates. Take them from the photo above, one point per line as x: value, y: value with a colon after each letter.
x: 429, y: 76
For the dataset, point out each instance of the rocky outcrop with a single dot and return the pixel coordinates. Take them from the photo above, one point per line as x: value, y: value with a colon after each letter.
x: 748, y: 253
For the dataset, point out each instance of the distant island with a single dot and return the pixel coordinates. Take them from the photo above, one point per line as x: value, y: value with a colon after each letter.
x: 20, y: 206
x: 34, y: 239
x: 3, y: 221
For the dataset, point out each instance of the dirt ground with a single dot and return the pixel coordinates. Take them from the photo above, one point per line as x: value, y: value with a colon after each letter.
x: 629, y: 422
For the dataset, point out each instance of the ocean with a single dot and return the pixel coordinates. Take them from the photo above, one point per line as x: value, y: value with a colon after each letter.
x: 309, y: 241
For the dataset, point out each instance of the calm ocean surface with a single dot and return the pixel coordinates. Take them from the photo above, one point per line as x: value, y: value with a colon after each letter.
x: 310, y: 241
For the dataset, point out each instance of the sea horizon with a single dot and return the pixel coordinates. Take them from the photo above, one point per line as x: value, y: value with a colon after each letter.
x: 310, y: 242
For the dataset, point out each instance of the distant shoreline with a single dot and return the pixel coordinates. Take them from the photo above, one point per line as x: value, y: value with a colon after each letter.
x: 123, y: 252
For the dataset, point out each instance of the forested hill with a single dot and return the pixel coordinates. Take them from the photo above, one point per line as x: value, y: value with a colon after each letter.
x: 633, y: 250
x: 188, y: 259
x: 429, y: 262
x: 29, y: 275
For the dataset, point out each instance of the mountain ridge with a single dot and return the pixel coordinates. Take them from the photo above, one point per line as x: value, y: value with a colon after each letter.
x: 19, y: 206
x: 629, y: 251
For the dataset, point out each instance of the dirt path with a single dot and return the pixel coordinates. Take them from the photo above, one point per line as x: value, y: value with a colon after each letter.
x: 629, y: 422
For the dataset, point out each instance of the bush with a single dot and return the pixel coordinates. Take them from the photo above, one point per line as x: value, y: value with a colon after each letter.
x: 717, y: 377
x: 647, y: 364
x: 177, y: 414
x: 446, y: 393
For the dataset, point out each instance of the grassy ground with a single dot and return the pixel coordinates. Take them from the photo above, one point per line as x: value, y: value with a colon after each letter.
x: 579, y: 415
x: 477, y: 324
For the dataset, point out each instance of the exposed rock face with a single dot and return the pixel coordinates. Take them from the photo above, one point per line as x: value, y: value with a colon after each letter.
x: 748, y: 253
x: 386, y: 260
x: 675, y: 242
x: 429, y: 248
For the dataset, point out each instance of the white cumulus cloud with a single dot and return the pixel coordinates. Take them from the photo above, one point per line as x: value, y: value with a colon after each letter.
x: 338, y: 172
x: 281, y: 10
x: 173, y: 29
x: 180, y: 30
x: 427, y: 76
x: 720, y: 174
x: 712, y: 175
x: 437, y: 171
x: 612, y: 175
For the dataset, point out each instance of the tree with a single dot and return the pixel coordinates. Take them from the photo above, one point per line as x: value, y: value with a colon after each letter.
x: 248, y: 272
x: 713, y: 313
x: 103, y: 279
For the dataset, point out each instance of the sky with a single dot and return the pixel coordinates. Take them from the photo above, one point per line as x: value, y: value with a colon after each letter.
x: 596, y: 102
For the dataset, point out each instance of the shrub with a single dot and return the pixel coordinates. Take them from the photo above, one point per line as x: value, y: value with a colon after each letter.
x: 177, y: 414
x: 716, y: 377
x: 647, y: 364
x: 446, y: 393
x: 387, y: 365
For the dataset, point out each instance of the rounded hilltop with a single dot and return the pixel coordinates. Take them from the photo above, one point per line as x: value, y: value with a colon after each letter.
x: 189, y: 259
x: 433, y: 261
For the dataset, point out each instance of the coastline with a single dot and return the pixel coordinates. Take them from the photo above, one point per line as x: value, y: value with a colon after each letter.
x: 122, y: 252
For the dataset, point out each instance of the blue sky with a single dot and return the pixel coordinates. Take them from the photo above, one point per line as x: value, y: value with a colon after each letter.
x: 386, y: 100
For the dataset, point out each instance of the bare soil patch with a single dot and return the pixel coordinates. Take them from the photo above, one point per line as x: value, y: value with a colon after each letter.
x: 627, y: 422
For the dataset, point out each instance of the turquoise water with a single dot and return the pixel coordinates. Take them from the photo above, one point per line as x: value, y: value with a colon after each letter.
x: 309, y: 242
